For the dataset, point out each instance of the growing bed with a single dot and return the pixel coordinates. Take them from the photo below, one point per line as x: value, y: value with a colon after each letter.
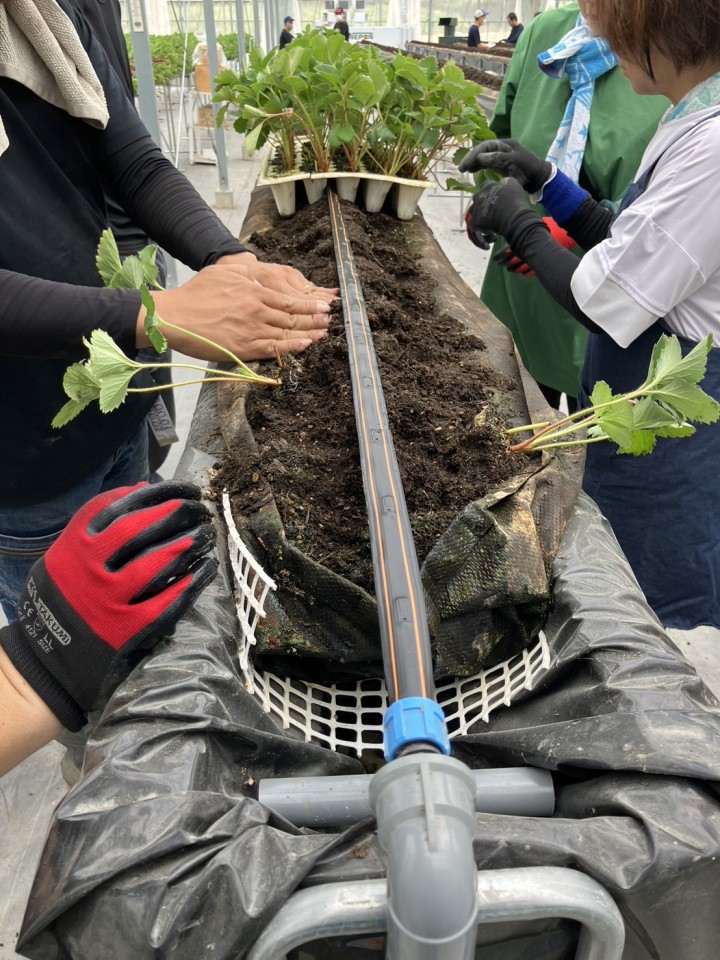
x: 163, y: 849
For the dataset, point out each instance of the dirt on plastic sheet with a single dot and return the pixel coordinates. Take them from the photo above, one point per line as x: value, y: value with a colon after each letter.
x: 434, y: 383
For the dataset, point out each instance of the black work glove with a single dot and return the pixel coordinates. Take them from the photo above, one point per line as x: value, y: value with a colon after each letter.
x: 494, y: 209
x: 512, y: 160
x: 514, y: 264
x: 121, y: 574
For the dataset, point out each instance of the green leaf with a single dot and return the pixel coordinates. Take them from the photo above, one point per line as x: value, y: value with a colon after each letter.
x: 689, y: 400
x: 649, y: 415
x: 345, y: 133
x: 601, y: 393
x: 666, y: 359
x: 452, y: 184
x: 82, y: 388
x: 107, y: 258
x: 131, y: 275
x: 153, y: 322
x: 109, y: 367
x: 251, y: 138
x: 114, y: 388
x: 693, y: 366
x: 147, y: 257
x: 106, y: 357
x: 617, y: 422
x: 641, y: 443
x: 67, y: 413
x: 80, y: 384
x: 684, y: 430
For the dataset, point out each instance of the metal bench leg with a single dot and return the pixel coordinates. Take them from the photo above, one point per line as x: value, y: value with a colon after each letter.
x: 528, y: 893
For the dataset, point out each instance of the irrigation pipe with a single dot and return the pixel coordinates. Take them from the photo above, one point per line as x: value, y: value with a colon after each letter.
x: 404, y: 632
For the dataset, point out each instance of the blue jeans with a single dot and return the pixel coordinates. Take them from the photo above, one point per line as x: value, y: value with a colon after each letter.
x: 27, y: 532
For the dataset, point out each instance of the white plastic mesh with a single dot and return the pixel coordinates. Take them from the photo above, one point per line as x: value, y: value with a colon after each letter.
x: 350, y: 715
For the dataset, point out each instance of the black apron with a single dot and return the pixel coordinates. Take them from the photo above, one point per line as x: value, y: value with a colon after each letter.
x: 663, y: 508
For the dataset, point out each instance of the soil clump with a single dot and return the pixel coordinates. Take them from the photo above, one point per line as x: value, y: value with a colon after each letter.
x: 434, y: 383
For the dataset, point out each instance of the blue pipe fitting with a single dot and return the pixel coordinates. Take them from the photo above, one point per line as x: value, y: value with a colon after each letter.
x: 414, y: 720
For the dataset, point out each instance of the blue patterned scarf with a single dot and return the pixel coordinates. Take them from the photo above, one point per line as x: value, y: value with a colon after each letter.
x: 582, y: 58
x: 704, y: 95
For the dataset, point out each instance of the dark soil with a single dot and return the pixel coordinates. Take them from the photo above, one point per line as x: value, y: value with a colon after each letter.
x: 434, y: 384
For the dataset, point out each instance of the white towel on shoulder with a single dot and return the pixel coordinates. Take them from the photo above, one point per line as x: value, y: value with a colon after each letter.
x: 40, y: 48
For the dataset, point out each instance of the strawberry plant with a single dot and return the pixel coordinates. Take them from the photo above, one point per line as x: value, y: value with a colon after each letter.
x: 350, y: 104
x: 662, y: 406
x: 108, y: 372
x: 260, y: 106
x: 429, y: 110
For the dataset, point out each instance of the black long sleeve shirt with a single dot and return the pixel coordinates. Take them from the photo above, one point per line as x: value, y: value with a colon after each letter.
x: 52, y: 212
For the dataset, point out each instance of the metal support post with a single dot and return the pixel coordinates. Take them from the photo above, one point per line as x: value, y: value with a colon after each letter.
x: 144, y: 69
x: 223, y: 195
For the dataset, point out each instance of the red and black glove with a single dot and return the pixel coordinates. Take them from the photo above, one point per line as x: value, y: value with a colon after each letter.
x: 507, y: 259
x: 121, y: 574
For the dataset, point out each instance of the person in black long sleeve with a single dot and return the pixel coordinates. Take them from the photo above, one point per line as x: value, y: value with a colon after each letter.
x: 286, y: 34
x: 57, y: 156
x: 516, y: 28
x: 105, y: 19
x: 341, y: 23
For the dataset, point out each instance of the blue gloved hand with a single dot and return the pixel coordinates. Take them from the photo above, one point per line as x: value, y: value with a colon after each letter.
x: 511, y: 159
x: 494, y: 208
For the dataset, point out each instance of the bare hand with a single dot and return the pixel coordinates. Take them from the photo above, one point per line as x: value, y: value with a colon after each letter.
x: 221, y: 303
x: 279, y: 277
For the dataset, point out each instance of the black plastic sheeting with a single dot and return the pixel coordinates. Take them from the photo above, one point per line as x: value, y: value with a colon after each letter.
x: 161, y: 850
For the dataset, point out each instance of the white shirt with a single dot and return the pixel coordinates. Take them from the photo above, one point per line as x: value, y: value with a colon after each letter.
x: 662, y: 258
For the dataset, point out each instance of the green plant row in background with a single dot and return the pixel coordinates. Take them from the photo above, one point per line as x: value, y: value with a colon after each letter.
x: 170, y: 58
x: 350, y: 107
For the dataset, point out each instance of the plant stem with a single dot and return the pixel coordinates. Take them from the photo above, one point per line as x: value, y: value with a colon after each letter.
x: 511, y: 431
x: 560, y: 429
x: 518, y: 448
x: 189, y: 383
x: 228, y: 353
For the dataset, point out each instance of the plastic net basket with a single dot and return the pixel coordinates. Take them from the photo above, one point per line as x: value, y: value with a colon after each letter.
x: 349, y: 715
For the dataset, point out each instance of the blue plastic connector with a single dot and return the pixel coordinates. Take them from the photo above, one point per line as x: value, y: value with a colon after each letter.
x: 414, y: 720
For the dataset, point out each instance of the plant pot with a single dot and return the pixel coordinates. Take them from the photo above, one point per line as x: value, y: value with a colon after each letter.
x: 284, y: 197
x: 282, y: 186
x: 347, y: 188
x: 376, y: 190
x: 315, y: 188
x: 407, y: 197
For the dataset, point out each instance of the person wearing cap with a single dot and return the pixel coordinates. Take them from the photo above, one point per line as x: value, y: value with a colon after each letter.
x: 473, y: 40
x: 286, y: 35
x: 341, y: 23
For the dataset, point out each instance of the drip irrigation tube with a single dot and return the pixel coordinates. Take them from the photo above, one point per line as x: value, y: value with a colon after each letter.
x: 404, y: 632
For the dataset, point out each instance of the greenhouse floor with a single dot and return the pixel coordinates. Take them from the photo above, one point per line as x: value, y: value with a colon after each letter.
x: 30, y: 793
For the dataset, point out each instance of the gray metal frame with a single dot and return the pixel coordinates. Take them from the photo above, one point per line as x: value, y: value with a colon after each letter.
x: 527, y: 893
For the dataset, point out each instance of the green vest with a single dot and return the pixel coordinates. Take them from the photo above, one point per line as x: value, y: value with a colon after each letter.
x: 529, y: 109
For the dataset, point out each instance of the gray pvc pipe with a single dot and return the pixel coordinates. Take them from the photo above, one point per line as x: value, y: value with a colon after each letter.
x: 340, y: 801
x: 425, y: 823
